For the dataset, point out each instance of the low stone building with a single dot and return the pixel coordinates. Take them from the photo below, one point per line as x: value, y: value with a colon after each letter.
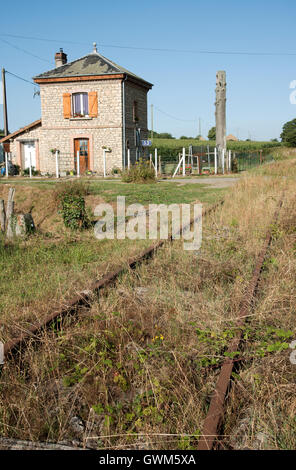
x: 231, y: 138
x: 86, y: 105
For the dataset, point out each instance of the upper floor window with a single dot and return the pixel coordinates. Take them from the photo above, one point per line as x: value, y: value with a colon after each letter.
x: 135, y: 111
x: 84, y: 105
x: 80, y: 104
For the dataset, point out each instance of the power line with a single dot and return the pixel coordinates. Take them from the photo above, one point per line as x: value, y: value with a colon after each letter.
x: 189, y: 51
x: 24, y: 50
x: 45, y: 39
x: 21, y: 78
x: 174, y: 117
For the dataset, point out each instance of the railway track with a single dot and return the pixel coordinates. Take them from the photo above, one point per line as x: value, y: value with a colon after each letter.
x: 83, y: 299
x: 214, y: 419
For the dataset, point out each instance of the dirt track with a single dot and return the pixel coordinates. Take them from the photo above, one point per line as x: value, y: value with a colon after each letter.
x: 216, y: 182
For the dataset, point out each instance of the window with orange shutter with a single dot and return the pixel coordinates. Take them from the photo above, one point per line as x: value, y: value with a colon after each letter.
x: 67, y: 105
x: 81, y: 104
x: 93, y: 103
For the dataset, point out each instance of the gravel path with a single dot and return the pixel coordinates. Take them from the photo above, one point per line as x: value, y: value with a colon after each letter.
x: 216, y: 182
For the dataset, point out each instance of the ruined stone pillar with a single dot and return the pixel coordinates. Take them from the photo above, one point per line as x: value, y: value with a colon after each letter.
x: 220, y: 114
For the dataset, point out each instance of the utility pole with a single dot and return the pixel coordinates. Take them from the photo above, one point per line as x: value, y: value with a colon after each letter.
x: 220, y: 114
x: 5, y: 120
x: 152, y: 122
x: 199, y: 126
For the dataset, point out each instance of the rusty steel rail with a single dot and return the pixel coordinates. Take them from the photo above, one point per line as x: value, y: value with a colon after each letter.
x: 84, y: 297
x: 214, y: 417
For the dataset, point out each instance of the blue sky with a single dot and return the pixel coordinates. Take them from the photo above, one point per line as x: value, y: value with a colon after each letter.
x: 258, y: 86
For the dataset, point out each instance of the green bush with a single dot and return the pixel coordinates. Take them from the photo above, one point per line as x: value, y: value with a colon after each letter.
x: 70, y: 196
x: 26, y: 172
x: 288, y: 135
x: 139, y: 173
x: 234, y: 165
x: 115, y: 171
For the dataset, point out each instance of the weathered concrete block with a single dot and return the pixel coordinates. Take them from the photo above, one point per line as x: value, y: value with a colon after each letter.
x: 24, y: 225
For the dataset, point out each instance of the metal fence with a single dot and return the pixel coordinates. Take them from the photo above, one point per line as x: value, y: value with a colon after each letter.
x: 247, y: 160
x: 200, y: 160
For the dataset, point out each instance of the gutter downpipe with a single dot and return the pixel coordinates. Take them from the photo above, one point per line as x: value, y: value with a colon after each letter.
x: 123, y: 123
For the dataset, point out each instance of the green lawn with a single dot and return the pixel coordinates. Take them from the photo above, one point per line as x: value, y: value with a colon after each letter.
x: 160, y: 193
x: 154, y: 193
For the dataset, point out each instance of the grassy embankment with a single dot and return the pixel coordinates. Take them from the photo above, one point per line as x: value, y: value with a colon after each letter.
x: 44, y: 271
x: 139, y: 367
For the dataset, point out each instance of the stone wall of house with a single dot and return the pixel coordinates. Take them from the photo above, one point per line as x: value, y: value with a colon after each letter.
x: 134, y: 92
x: 103, y: 130
x: 16, y: 149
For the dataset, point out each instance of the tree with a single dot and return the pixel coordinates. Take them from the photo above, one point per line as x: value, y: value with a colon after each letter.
x: 212, y: 134
x: 161, y: 135
x: 288, y: 135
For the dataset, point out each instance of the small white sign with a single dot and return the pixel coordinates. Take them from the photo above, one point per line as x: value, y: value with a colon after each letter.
x: 146, y: 143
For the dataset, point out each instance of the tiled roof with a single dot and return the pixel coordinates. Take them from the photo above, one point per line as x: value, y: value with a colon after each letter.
x: 91, y: 64
x: 21, y: 130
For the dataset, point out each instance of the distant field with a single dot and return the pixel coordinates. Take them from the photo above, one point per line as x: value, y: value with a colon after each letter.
x: 175, y: 145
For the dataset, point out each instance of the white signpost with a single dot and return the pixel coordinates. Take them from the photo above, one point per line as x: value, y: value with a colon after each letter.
x: 78, y: 164
x: 6, y: 164
x: 128, y: 158
x: 30, y: 165
x: 57, y: 164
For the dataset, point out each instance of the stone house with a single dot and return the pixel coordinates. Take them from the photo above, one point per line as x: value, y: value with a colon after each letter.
x: 231, y: 138
x: 86, y: 105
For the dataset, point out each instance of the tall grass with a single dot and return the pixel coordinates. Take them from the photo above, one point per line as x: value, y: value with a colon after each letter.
x: 138, y: 367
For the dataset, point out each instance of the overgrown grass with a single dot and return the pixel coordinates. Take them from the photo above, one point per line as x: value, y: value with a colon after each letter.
x: 48, y: 268
x: 261, y: 413
x: 139, y: 367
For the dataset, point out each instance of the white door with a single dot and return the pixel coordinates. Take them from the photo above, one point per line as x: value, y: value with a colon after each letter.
x: 29, y: 154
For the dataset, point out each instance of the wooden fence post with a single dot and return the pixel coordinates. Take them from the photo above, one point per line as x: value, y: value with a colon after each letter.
x: 2, y: 215
x: 9, y: 213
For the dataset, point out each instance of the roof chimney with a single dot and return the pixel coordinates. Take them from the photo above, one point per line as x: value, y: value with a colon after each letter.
x: 95, y: 48
x: 60, y: 58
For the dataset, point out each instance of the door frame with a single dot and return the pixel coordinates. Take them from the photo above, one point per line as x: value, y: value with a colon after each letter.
x: 78, y: 140
x: 90, y: 148
x: 20, y: 152
x: 24, y: 143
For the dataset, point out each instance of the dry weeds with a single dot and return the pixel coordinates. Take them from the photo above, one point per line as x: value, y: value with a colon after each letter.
x: 138, y: 368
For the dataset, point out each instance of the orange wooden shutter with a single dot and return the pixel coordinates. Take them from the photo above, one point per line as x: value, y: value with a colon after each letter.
x: 67, y: 105
x: 93, y: 103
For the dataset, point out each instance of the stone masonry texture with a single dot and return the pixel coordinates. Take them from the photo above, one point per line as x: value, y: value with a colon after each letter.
x: 105, y: 130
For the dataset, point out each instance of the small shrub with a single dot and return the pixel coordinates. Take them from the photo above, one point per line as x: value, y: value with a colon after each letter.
x: 116, y: 171
x: 26, y: 172
x: 73, y: 188
x: 139, y: 173
x: 234, y: 165
x: 70, y: 197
